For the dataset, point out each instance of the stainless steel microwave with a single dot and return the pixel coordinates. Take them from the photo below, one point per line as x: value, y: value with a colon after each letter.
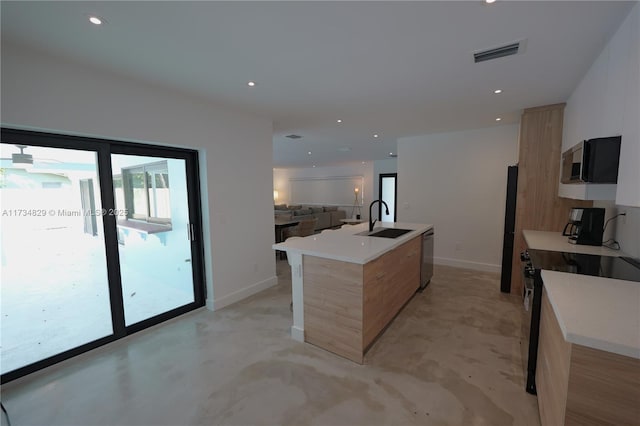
x: 592, y: 161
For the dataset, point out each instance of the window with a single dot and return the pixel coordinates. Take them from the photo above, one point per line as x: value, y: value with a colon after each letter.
x: 146, y: 192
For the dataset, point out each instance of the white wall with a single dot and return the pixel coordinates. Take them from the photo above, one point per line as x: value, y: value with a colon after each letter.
x: 281, y: 184
x: 457, y: 182
x: 281, y: 181
x: 606, y: 102
x: 44, y: 92
x: 371, y: 172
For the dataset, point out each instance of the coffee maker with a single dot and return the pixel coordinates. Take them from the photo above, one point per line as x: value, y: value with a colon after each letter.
x: 585, y: 226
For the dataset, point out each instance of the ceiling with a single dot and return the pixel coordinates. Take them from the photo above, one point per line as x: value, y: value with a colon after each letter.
x: 394, y: 69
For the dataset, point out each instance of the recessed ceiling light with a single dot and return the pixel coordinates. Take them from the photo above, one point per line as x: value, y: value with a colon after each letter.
x: 95, y: 20
x: 375, y: 136
x: 339, y: 121
x: 309, y: 152
x: 498, y: 119
x: 251, y: 83
x: 497, y: 91
x: 489, y: 1
x: 314, y: 165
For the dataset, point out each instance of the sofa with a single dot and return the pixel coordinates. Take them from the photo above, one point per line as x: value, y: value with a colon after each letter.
x: 328, y: 216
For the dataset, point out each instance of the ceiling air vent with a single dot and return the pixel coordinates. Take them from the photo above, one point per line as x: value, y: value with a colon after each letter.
x: 293, y: 136
x: 498, y: 52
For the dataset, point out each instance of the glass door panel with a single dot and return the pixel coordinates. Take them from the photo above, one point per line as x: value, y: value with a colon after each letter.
x: 154, y: 235
x: 55, y: 292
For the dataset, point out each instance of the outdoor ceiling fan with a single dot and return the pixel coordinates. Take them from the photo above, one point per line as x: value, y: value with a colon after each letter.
x: 21, y: 158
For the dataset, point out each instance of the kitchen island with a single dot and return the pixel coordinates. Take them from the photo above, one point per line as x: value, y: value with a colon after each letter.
x: 347, y: 287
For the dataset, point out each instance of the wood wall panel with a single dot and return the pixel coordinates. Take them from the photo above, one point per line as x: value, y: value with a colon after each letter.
x: 538, y: 206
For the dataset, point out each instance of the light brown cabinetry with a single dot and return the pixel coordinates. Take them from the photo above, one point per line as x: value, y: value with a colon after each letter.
x: 347, y: 305
x: 538, y: 206
x: 552, y: 369
x: 389, y: 282
x: 578, y: 385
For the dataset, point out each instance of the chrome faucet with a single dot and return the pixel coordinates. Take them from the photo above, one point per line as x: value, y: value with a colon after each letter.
x: 371, y: 223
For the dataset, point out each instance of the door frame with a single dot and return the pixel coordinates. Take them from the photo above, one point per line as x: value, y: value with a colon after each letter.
x: 87, y: 200
x: 103, y: 149
x: 195, y: 219
x: 395, y: 198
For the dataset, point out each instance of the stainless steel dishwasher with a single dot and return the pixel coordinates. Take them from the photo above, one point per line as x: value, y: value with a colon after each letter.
x: 426, y: 271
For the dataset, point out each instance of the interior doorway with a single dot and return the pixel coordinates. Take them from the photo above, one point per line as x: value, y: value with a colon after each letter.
x: 388, y: 188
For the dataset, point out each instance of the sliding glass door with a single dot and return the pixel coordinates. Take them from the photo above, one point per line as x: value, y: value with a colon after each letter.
x: 154, y: 233
x: 55, y: 290
x: 99, y: 239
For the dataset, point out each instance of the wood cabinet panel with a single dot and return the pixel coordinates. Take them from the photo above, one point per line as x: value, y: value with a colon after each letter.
x: 404, y: 278
x: 333, y: 306
x: 346, y: 305
x: 538, y: 206
x: 604, y: 388
x: 375, y: 275
x: 552, y: 372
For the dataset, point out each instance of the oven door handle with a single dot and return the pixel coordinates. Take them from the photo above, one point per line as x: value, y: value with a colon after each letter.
x: 528, y: 294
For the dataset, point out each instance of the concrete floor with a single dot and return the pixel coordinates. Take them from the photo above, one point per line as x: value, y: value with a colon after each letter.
x: 450, y: 357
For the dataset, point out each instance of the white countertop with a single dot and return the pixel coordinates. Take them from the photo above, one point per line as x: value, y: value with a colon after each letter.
x: 342, y: 244
x: 599, y: 313
x: 555, y: 241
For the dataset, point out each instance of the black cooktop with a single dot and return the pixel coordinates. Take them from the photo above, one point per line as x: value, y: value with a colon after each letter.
x: 621, y: 268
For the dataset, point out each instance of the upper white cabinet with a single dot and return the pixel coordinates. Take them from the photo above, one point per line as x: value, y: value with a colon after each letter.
x: 606, y: 102
x: 628, y: 193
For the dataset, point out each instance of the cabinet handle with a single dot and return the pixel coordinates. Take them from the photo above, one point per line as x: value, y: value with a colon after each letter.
x: 380, y: 275
x: 413, y: 253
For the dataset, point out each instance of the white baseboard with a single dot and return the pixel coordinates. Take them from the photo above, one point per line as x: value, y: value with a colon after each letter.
x: 243, y: 293
x: 297, y: 333
x: 467, y: 264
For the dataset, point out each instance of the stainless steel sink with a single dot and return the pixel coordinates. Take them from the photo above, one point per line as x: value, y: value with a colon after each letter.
x: 385, y: 232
